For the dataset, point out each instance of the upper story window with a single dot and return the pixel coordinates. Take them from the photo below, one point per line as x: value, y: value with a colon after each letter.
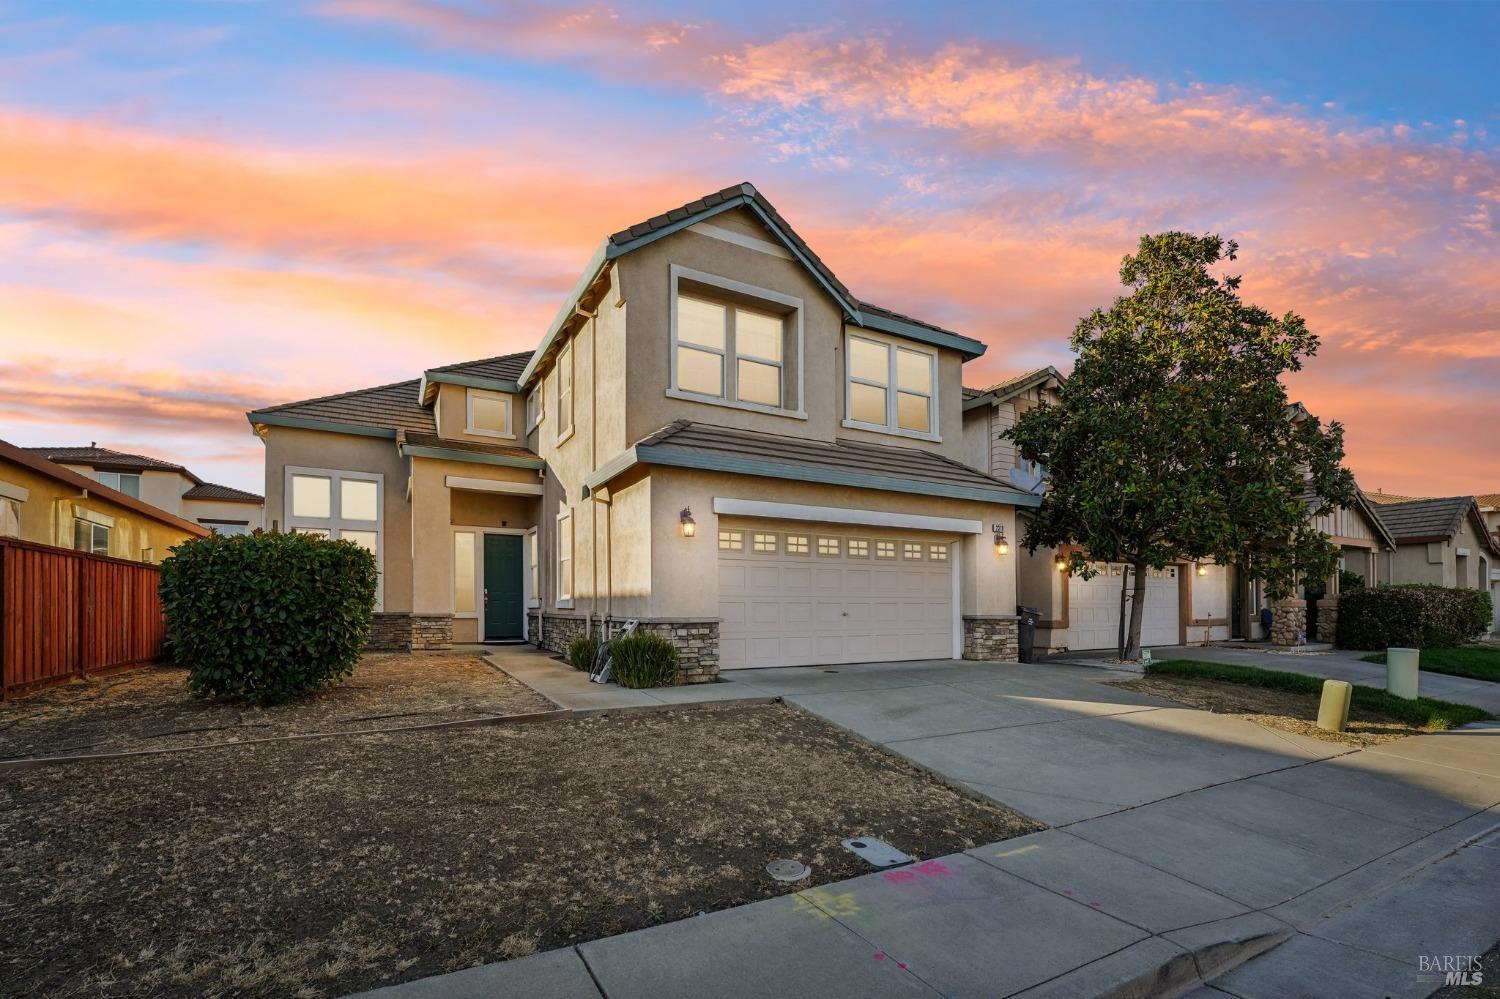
x: 565, y: 393
x: 535, y: 406
x: 10, y: 517
x: 488, y: 414
x: 735, y: 345
x: 890, y: 387
x: 128, y: 483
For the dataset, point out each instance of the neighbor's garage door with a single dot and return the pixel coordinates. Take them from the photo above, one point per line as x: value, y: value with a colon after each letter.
x: 1094, y: 609
x: 794, y: 597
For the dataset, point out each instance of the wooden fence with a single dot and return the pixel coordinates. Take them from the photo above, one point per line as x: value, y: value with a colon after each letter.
x: 65, y: 613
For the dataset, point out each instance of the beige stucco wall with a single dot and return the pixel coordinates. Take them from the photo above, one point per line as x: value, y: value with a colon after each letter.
x: 451, y: 411
x: 48, y: 513
x: 645, y: 281
x: 351, y: 453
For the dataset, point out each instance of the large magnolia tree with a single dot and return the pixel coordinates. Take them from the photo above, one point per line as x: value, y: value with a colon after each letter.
x: 1173, y: 438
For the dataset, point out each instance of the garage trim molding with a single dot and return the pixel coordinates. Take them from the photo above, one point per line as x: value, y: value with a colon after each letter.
x: 727, y: 506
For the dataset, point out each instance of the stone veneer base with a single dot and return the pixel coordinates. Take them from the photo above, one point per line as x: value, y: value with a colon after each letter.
x: 399, y: 632
x: 992, y: 638
x: 696, y: 639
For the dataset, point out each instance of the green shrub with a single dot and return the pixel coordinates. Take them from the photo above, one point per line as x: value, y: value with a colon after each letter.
x: 267, y: 617
x: 582, y: 651
x: 642, y: 660
x: 1349, y: 581
x: 1415, y: 615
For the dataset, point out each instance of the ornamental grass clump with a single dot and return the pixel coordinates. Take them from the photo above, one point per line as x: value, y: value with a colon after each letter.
x: 582, y: 651
x: 267, y: 618
x: 642, y: 660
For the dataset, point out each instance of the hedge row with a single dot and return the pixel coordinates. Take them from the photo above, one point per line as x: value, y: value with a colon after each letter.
x: 1413, y: 615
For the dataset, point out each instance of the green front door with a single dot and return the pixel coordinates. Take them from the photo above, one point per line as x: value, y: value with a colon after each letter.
x: 503, y: 598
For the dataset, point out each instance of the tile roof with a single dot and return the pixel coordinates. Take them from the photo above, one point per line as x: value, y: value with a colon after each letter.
x: 658, y: 222
x: 506, y: 367
x: 1383, y: 498
x: 32, y: 459
x: 1002, y: 389
x: 850, y: 457
x: 103, y: 457
x: 1419, y: 520
x: 215, y: 491
x: 1488, y: 499
x: 387, y: 407
x: 449, y: 444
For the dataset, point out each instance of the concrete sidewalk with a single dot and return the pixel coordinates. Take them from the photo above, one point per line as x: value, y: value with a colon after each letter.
x: 1185, y: 844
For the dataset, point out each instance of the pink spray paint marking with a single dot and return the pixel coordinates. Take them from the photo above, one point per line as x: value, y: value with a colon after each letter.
x: 927, y: 868
x: 879, y: 956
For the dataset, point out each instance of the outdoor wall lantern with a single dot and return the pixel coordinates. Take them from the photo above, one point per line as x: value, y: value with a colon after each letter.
x: 1002, y: 546
x: 688, y: 524
x: 1061, y: 563
x: 1202, y: 569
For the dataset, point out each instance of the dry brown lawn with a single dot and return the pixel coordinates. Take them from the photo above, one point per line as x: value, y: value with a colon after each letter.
x: 1278, y: 709
x: 152, y: 709
x: 327, y: 866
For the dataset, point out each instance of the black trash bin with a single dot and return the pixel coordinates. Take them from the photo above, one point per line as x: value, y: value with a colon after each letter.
x: 1026, y: 638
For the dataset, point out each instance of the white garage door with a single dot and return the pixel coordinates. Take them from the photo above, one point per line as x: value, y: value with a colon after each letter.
x: 1094, y: 609
x: 799, y: 597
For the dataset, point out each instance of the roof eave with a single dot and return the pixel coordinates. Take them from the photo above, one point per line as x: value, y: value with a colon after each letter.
x: 678, y: 457
x: 427, y: 390
x: 591, y: 272
x: 259, y: 420
x: 991, y: 397
x: 476, y: 457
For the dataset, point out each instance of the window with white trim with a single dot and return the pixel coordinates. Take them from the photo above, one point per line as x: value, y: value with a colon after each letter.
x: 731, y: 541
x: 342, y: 505
x: 90, y: 537
x: 564, y: 393
x: 911, y: 550
x: 128, y: 483
x: 764, y: 542
x: 797, y: 544
x: 890, y: 387
x: 10, y: 518
x: 565, y: 558
x: 938, y: 553
x: 859, y: 547
x: 465, y: 572
x: 536, y: 405
x: 534, y: 567
x: 885, y: 549
x: 828, y: 546
x: 731, y: 343
x: 488, y: 414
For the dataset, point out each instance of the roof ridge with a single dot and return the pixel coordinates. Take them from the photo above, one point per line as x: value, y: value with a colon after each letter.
x: 482, y: 360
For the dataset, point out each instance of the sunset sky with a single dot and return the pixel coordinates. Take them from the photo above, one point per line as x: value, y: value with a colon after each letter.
x: 211, y: 206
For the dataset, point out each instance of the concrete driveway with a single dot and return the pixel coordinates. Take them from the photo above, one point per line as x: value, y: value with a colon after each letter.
x: 1184, y: 845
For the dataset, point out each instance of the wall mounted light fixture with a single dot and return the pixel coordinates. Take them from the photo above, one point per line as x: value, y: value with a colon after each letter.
x: 1202, y: 569
x: 1002, y: 546
x: 1061, y: 563
x: 688, y: 524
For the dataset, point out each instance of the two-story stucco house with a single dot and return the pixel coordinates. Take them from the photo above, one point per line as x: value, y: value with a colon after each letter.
x: 166, y: 485
x: 714, y: 437
x: 1187, y: 603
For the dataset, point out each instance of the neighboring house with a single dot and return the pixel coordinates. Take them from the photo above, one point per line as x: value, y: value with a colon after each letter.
x: 44, y: 502
x: 166, y: 485
x: 1187, y: 603
x: 1446, y: 542
x: 715, y: 437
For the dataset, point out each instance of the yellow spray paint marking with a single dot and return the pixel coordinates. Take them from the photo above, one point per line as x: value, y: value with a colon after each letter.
x: 1017, y: 852
x: 825, y: 904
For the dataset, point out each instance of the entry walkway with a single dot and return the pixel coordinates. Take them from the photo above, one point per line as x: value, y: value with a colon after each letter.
x: 1184, y: 844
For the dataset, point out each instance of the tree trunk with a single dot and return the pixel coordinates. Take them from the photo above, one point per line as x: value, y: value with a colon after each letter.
x: 1124, y: 589
x: 1137, y: 613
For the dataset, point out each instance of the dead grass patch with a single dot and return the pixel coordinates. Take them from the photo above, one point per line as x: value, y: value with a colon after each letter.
x: 1279, y: 709
x: 326, y: 867
x: 151, y: 708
